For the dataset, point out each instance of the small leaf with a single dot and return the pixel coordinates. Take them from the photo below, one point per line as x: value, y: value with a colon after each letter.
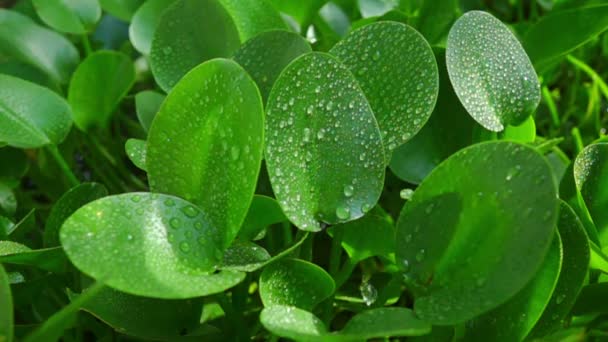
x: 6, y: 308
x: 253, y: 17
x: 146, y: 318
x: 578, y: 26
x: 292, y: 322
x: 149, y: 245
x: 97, y: 87
x: 144, y: 23
x: 513, y: 320
x: 28, y: 42
x: 263, y: 212
x: 301, y: 11
x: 295, y: 282
x: 525, y: 132
x: 444, y: 243
x: 449, y: 129
x: 572, y: 275
x: 215, y: 115
x: 122, y: 9
x: 323, y: 147
x: 66, y: 205
x: 171, y: 57
x: 591, y: 179
x: 490, y: 71
x: 371, y: 235
x: 376, y: 53
x: 244, y: 256
x: 147, y: 104
x: 31, y: 116
x: 50, y: 259
x: 136, y: 151
x: 385, y: 322
x: 267, y: 54
x: 76, y: 17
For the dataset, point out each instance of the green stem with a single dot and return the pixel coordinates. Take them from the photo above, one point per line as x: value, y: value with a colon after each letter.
x: 86, y: 44
x: 591, y: 73
x: 578, y: 140
x: 65, y: 168
x: 335, y: 253
x: 552, y: 107
x: 344, y: 273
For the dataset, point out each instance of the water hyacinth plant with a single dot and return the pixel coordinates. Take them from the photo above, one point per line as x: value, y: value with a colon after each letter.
x: 269, y: 170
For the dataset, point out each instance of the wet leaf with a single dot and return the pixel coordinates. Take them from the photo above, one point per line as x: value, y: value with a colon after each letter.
x: 244, y: 256
x: 263, y: 212
x: 292, y: 322
x: 147, y: 104
x: 253, y: 17
x: 136, y: 151
x: 144, y: 23
x: 385, y: 322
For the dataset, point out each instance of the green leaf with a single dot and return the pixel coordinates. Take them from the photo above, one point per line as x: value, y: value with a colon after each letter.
x: 66, y: 205
x: 253, y: 17
x: 385, y: 322
x: 572, y: 275
x: 513, y: 320
x: 98, y: 86
x: 215, y: 115
x: 245, y: 256
x: 449, y: 129
x: 144, y: 23
x: 6, y: 307
x: 371, y: 235
x: 122, y: 9
x: 444, y: 243
x: 263, y: 212
x: 31, y: 116
x: 267, y: 54
x: 323, y: 147
x: 591, y: 178
x: 136, y: 151
x: 50, y: 259
x: 31, y: 43
x: 147, y: 104
x: 146, y: 318
x: 376, y: 53
x: 292, y: 322
x: 589, y: 298
x: 490, y: 71
x: 52, y: 329
x: 295, y: 282
x: 76, y: 17
x: 171, y: 57
x: 525, y: 132
x: 146, y: 244
x: 575, y: 26
x: 14, y: 166
x: 302, y: 11
x: 598, y: 259
x: 25, y: 225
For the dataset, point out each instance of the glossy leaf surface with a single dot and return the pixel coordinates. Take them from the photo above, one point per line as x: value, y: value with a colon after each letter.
x: 70, y: 16
x: 144, y: 23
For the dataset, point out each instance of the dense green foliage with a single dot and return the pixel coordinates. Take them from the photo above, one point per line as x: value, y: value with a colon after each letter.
x: 344, y: 170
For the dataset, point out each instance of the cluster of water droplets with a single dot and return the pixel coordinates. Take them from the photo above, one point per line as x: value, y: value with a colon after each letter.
x: 323, y: 146
x: 490, y: 71
x: 397, y: 71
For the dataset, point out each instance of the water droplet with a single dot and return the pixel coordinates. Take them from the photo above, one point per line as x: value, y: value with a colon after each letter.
x: 560, y: 298
x: 184, y: 246
x: 169, y: 202
x: 406, y: 265
x: 429, y: 208
x: 190, y: 211
x: 320, y: 134
x: 198, y: 225
x: 368, y: 293
x: 348, y: 190
x: 366, y: 207
x: 234, y: 153
x: 376, y: 56
x: 406, y: 194
x: 420, y: 255
x: 343, y: 212
x: 136, y: 198
x: 175, y: 222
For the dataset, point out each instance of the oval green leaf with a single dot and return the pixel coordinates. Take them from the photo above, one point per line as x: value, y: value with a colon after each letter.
x: 31, y: 43
x: 470, y: 243
x: 385, y: 322
x: 245, y: 256
x: 449, y: 129
x: 50, y: 259
x: 263, y: 212
x: 572, y: 275
x: 121, y: 9
x: 295, y: 282
x: 147, y: 318
x: 147, y: 104
x: 292, y: 322
x: 144, y: 23
x: 171, y: 54
x: 149, y: 245
x: 97, y: 87
x: 136, y: 151
x: 31, y: 116
x: 76, y: 17
x: 324, y: 152
x: 513, y: 320
x: 253, y: 17
x: 6, y: 308
x: 591, y: 179
x: 216, y: 118
x: 375, y: 54
x: 490, y: 71
x: 267, y: 54
x: 66, y: 205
